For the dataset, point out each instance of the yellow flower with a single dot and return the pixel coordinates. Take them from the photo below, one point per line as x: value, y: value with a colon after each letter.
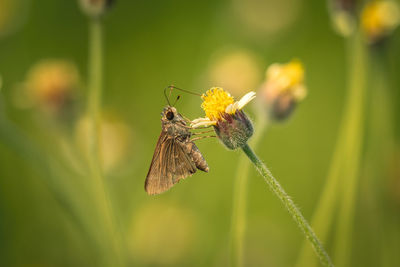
x: 283, y: 88
x: 218, y: 103
x: 230, y: 122
x: 379, y: 19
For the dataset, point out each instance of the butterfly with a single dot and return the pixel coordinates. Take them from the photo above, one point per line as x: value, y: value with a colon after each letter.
x: 175, y: 157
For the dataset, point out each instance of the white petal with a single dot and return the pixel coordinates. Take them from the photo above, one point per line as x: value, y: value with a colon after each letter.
x: 196, y: 123
x: 230, y: 108
x: 246, y: 99
x: 200, y: 119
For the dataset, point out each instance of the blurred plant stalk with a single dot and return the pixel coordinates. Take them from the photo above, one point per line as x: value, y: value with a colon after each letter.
x: 380, y: 154
x: 238, y: 220
x: 112, y: 241
x: 341, y: 183
x: 282, y: 90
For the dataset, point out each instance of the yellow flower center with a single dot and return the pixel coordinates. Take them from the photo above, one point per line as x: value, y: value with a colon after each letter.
x: 215, y: 102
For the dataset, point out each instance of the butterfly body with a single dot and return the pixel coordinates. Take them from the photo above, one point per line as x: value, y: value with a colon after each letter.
x: 175, y: 156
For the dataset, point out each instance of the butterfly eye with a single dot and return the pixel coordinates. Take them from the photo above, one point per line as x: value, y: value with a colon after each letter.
x: 169, y: 115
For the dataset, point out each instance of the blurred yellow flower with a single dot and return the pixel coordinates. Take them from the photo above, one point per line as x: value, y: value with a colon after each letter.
x: 283, y: 88
x: 52, y: 85
x: 379, y: 19
x: 115, y: 138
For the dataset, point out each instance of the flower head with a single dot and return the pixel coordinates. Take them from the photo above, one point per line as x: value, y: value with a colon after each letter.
x: 230, y: 123
x: 283, y: 88
x: 379, y: 19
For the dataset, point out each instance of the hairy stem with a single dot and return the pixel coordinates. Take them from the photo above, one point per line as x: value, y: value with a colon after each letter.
x: 289, y: 205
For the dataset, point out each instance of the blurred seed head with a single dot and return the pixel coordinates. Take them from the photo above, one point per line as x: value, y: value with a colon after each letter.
x: 115, y: 138
x: 236, y: 69
x: 50, y: 85
x: 379, y: 19
x: 343, y: 15
x: 283, y: 89
x: 162, y: 234
x: 96, y: 8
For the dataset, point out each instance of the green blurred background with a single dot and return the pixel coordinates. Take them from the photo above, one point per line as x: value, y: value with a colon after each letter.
x: 149, y: 45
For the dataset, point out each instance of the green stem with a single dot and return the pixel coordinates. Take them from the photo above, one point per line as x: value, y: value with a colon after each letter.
x: 346, y: 153
x: 289, y: 204
x: 352, y: 156
x: 112, y: 249
x: 238, y: 221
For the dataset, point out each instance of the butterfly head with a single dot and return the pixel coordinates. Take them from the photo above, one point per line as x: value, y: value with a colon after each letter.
x: 173, y: 122
x: 170, y: 114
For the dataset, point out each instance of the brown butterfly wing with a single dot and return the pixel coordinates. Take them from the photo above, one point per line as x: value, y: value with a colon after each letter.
x: 170, y: 163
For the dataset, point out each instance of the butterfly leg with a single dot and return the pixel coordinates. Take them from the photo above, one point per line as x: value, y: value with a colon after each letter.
x: 203, y: 132
x: 202, y: 137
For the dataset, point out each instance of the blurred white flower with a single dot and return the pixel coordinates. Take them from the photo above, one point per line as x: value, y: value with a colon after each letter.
x: 235, y: 69
x: 115, y: 138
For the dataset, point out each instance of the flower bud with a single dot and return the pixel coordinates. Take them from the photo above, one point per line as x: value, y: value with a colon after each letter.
x: 234, y: 130
x: 95, y: 8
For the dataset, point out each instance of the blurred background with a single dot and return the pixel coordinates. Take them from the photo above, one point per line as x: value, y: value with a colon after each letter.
x: 47, y: 214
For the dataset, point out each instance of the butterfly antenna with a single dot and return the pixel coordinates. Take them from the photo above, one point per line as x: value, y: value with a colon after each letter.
x: 177, y: 98
x: 165, y: 94
x: 171, y: 87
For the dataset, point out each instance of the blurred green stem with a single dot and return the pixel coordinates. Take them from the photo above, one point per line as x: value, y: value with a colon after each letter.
x: 238, y: 221
x: 379, y: 155
x: 45, y: 164
x: 111, y: 246
x: 353, y: 150
x: 289, y: 204
x: 344, y: 164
